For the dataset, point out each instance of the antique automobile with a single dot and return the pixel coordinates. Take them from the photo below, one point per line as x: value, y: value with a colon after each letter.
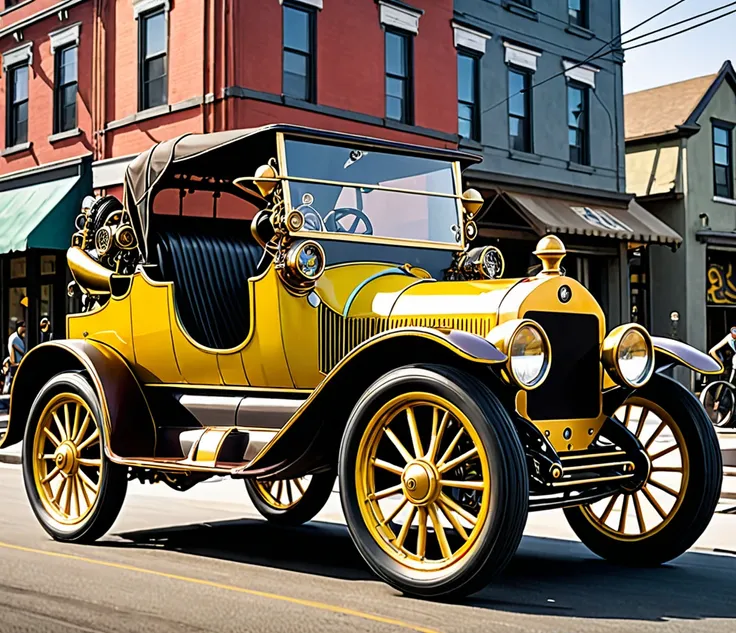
x: 289, y: 306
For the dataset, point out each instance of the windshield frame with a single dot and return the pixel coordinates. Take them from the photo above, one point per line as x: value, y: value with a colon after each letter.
x: 285, y: 179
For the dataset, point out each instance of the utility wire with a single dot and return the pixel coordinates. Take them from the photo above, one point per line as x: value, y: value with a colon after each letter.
x: 591, y: 57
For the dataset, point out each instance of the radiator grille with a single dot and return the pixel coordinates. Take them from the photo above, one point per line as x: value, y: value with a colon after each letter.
x: 572, y: 388
x: 339, y: 335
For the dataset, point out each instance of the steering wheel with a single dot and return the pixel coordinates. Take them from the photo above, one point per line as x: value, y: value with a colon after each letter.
x: 333, y: 224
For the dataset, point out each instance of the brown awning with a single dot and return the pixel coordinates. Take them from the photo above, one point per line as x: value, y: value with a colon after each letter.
x: 554, y: 215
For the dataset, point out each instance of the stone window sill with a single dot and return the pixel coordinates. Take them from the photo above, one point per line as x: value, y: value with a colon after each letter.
x: 520, y: 9
x: 16, y: 149
x: 62, y: 136
x: 469, y: 143
x: 525, y: 157
x: 580, y: 31
x: 729, y: 201
x: 583, y: 169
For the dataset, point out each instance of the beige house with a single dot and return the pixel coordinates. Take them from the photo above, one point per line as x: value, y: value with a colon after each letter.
x: 680, y: 165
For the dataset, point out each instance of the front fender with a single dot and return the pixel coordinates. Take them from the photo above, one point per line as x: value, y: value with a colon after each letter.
x: 313, y: 432
x: 129, y: 430
x: 669, y: 351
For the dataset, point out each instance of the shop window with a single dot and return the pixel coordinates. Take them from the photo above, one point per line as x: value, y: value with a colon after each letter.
x: 577, y: 123
x: 722, y: 161
x: 299, y: 77
x: 152, y: 61
x: 520, y: 111
x: 17, y: 108
x: 65, y: 89
x: 48, y: 264
x: 577, y: 11
x: 16, y: 311
x: 47, y: 302
x: 18, y: 268
x: 399, y: 77
x: 468, y: 119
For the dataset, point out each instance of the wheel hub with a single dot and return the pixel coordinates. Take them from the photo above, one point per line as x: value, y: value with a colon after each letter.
x: 65, y: 458
x: 421, y: 483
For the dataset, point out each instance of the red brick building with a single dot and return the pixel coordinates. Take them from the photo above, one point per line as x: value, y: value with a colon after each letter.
x: 88, y: 84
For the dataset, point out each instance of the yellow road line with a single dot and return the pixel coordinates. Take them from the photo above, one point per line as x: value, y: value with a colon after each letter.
x: 251, y: 592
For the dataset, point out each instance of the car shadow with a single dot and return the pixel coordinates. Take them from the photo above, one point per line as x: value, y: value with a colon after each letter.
x: 546, y: 577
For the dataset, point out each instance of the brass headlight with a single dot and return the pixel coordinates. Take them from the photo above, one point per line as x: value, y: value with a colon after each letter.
x: 305, y: 262
x: 528, y: 350
x: 628, y: 355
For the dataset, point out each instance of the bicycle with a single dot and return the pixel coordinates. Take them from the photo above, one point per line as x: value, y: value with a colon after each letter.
x: 719, y: 400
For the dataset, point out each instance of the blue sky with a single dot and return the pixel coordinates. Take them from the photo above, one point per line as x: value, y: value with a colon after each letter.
x: 699, y: 52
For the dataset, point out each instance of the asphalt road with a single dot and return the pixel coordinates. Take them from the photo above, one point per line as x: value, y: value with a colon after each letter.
x: 180, y: 564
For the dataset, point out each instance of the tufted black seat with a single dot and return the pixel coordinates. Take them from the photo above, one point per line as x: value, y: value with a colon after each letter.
x: 210, y: 275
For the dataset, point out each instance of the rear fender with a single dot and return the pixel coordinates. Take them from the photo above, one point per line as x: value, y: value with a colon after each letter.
x: 668, y: 352
x: 311, y: 437
x: 129, y: 430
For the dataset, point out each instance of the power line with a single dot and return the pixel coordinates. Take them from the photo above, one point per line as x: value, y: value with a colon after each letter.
x: 591, y: 57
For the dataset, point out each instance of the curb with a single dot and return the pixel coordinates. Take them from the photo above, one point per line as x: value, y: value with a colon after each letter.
x: 10, y: 458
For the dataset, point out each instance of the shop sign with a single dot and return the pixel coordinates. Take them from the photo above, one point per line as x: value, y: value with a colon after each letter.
x: 721, y: 285
x: 601, y: 219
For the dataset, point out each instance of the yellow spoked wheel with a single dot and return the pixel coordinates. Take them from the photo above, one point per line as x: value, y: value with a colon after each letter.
x: 669, y: 510
x: 67, y: 459
x: 635, y: 515
x: 291, y: 501
x: 283, y: 493
x: 423, y: 473
x: 433, y: 481
x: 74, y: 490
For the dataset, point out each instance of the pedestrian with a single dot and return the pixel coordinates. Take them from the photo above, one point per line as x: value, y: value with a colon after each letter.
x: 16, y: 348
x: 46, y: 333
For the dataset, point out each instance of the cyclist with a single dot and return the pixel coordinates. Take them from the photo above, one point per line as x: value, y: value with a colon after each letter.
x: 730, y: 340
x: 720, y: 403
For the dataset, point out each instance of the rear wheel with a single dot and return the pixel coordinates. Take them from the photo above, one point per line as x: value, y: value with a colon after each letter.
x: 291, y: 501
x: 433, y: 481
x: 75, y: 491
x: 666, y: 515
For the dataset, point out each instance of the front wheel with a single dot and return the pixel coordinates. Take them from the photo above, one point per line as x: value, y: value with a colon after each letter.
x: 75, y: 491
x: 433, y: 481
x: 719, y: 401
x: 661, y: 519
x: 291, y: 501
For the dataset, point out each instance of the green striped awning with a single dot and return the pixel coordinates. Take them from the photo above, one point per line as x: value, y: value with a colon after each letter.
x: 39, y: 216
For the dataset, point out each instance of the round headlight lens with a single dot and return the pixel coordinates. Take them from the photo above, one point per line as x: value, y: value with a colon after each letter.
x: 528, y: 353
x: 634, y: 358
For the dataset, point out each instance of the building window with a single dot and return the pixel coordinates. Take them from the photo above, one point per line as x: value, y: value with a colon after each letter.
x: 577, y: 11
x: 17, y: 117
x: 520, y: 111
x: 299, y: 58
x: 526, y: 3
x: 577, y: 123
x: 65, y: 89
x: 398, y: 77
x: 722, y: 170
x: 152, y: 61
x: 468, y: 124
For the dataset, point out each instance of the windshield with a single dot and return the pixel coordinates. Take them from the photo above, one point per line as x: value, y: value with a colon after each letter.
x: 372, y: 192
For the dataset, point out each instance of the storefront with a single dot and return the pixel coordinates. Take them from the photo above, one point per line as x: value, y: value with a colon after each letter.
x: 37, y: 212
x: 720, y: 297
x: 607, y: 246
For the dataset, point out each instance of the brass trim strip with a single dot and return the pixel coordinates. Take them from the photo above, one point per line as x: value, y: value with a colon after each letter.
x: 575, y: 482
x: 592, y: 455
x: 599, y: 465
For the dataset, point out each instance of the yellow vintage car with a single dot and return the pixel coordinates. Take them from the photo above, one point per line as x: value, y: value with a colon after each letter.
x: 289, y: 306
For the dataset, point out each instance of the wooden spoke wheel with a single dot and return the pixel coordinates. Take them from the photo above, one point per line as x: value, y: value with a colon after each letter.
x: 291, y: 501
x: 75, y: 491
x: 662, y: 517
x: 433, y: 481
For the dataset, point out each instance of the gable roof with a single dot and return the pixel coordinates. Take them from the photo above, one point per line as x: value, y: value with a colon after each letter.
x: 668, y: 109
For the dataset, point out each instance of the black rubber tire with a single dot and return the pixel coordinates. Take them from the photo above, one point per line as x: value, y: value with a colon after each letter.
x: 701, y: 496
x: 314, y: 499
x: 731, y: 399
x: 114, y: 482
x: 509, y: 479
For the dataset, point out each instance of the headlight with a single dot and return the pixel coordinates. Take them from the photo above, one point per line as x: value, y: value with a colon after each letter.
x: 305, y: 262
x: 527, y: 347
x: 628, y: 355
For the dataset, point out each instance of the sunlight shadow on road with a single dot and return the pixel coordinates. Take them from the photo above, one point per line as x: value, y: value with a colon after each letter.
x: 546, y: 577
